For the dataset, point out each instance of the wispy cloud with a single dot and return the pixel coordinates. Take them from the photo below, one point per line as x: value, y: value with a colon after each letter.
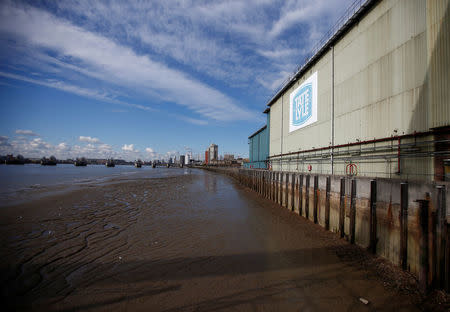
x: 26, y: 132
x: 88, y: 139
x: 115, y: 63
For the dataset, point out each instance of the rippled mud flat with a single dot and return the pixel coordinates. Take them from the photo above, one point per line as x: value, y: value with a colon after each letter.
x: 196, y: 242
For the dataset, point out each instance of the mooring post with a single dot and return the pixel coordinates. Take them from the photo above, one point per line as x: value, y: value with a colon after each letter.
x: 373, y: 216
x: 286, y: 191
x: 293, y: 192
x: 327, y: 204
x: 342, y: 208
x: 353, y: 212
x: 316, y: 197
x: 307, y: 197
x: 300, y: 195
x: 423, y: 245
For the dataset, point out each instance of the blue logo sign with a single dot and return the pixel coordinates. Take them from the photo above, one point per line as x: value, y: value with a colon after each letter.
x: 302, y: 105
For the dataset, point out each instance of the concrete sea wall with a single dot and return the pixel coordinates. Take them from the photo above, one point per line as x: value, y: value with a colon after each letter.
x: 406, y: 223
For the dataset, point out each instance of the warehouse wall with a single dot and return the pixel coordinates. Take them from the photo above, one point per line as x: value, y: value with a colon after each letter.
x: 390, y: 76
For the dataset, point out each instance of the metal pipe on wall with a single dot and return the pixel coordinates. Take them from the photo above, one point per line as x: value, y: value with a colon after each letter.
x: 332, y: 109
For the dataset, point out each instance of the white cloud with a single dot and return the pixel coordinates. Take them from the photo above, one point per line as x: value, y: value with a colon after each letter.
x: 26, y: 132
x: 129, y: 148
x: 4, y: 141
x: 149, y: 150
x: 88, y: 139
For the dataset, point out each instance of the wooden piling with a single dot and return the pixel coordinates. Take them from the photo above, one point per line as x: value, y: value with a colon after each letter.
x: 423, y: 245
x: 404, y: 225
x: 316, y: 197
x: 327, y: 204
x: 373, y: 216
x: 447, y: 256
x: 293, y: 192
x: 280, y: 202
x: 342, y: 208
x: 286, y: 191
x: 353, y: 211
x: 307, y: 197
x: 300, y: 195
x: 278, y: 186
x: 440, y: 231
x: 272, y: 185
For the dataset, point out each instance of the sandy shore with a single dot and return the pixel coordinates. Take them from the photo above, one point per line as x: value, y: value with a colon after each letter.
x: 197, y: 242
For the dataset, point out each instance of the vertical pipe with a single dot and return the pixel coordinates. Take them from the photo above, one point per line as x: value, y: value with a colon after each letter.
x: 342, y: 207
x: 293, y: 192
x: 352, y: 211
x: 373, y: 216
x: 281, y: 189
x: 332, y: 110
x: 424, y: 248
x: 300, y: 195
x: 398, y: 156
x: 404, y: 225
x: 327, y: 204
x: 316, y: 197
x: 281, y: 141
x: 307, y: 197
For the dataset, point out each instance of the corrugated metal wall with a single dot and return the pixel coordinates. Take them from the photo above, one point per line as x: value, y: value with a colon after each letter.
x: 438, y: 35
x: 259, y: 150
x: 390, y: 78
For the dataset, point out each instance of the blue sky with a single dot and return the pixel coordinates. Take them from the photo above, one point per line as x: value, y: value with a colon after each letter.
x: 145, y: 79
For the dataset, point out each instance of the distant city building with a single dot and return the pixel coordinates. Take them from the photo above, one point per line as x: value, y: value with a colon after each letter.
x: 170, y: 160
x: 187, y: 159
x: 206, y: 156
x: 228, y: 157
x: 182, y: 159
x: 213, y: 152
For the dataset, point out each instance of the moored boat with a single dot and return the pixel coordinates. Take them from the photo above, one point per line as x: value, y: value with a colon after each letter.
x: 80, y: 162
x: 138, y: 163
x: 11, y: 160
x: 110, y: 163
x: 48, y: 161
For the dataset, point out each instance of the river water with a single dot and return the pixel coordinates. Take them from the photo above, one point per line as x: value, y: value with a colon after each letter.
x: 17, y: 182
x: 174, y: 240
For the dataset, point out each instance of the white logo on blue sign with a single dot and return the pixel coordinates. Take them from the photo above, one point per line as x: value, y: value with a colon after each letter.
x: 302, y: 105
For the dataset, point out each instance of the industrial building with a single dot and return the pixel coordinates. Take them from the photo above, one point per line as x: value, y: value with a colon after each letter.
x: 259, y: 148
x: 372, y: 99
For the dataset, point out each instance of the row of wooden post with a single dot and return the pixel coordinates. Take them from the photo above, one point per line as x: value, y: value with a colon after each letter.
x: 270, y: 185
